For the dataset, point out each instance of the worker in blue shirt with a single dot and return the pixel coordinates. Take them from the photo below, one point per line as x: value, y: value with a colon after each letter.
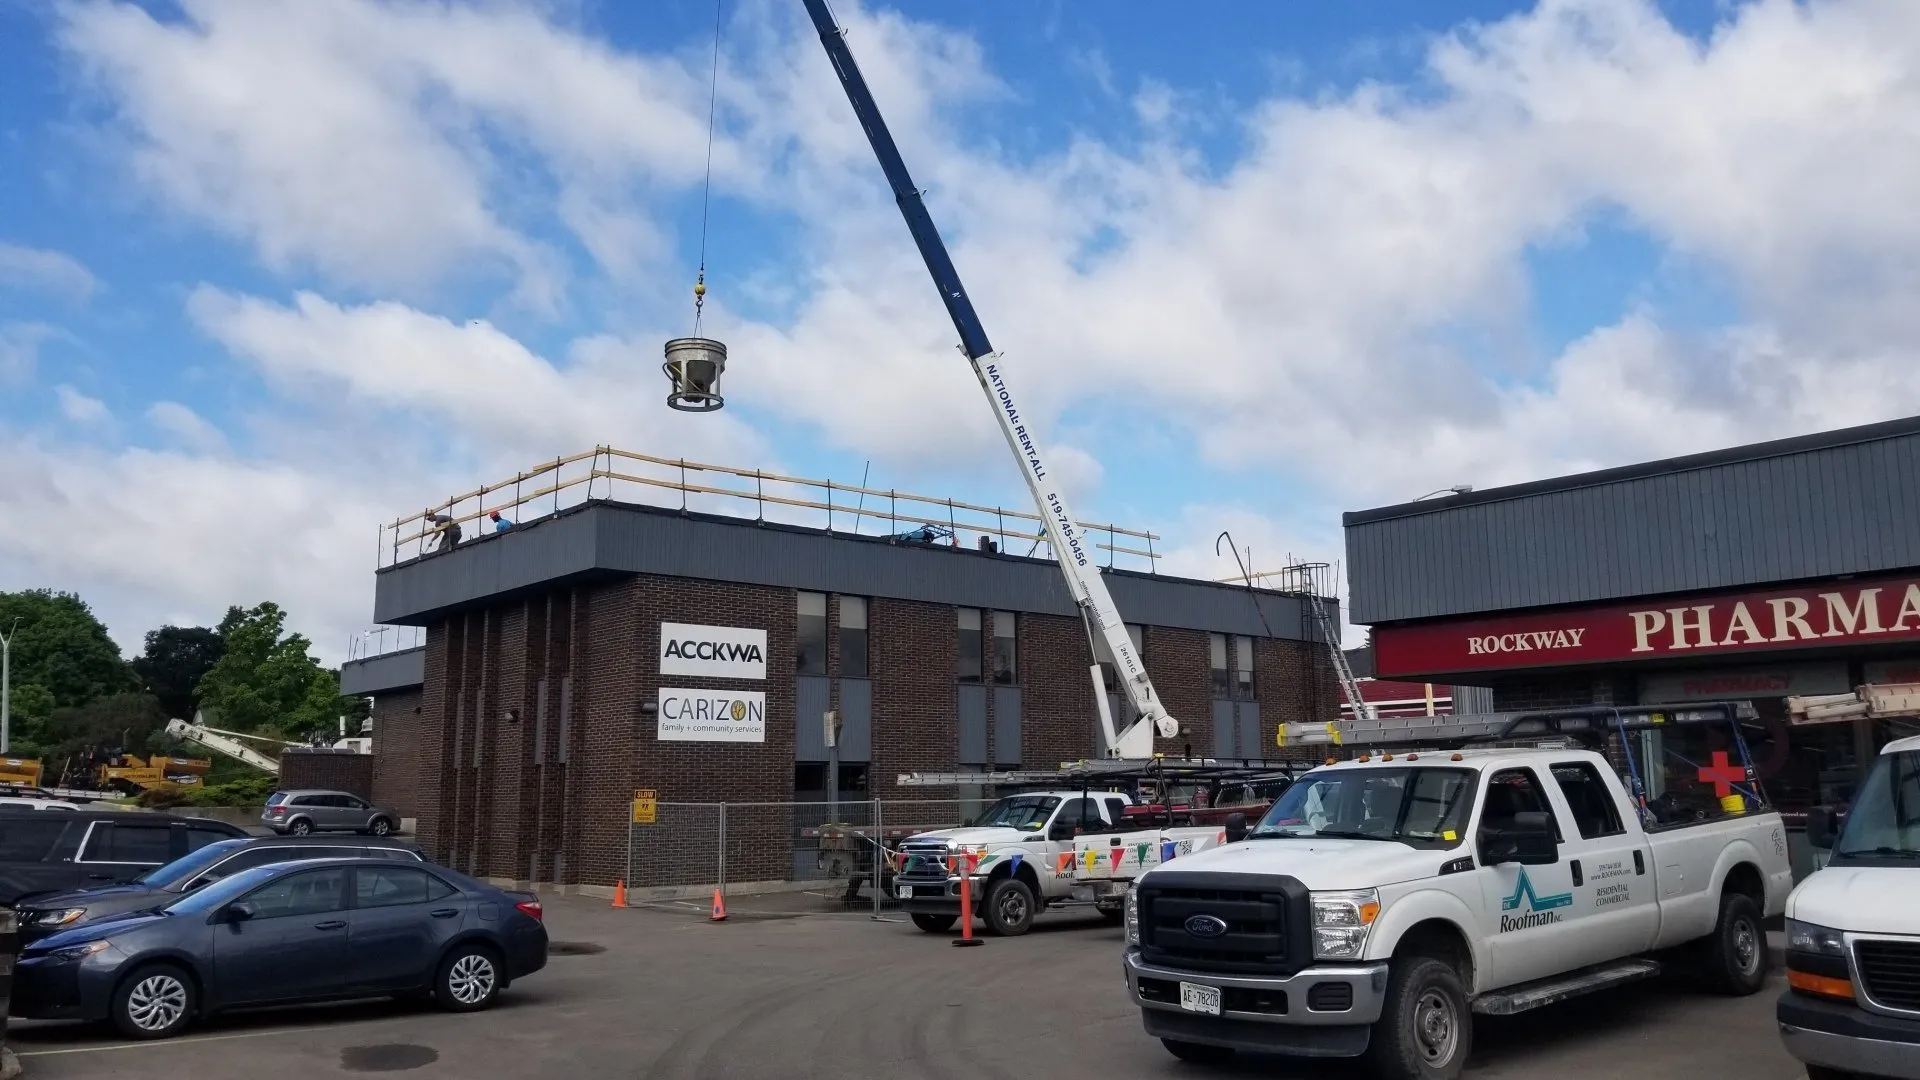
x: 500, y: 524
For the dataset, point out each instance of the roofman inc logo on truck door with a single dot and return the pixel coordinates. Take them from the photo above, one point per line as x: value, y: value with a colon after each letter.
x: 717, y: 652
x: 712, y: 715
x: 1541, y: 910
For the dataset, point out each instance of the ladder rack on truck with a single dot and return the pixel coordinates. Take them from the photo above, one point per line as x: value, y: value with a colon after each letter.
x: 1579, y: 724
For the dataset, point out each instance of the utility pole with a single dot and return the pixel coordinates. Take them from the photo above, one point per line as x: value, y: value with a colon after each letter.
x: 6, y: 686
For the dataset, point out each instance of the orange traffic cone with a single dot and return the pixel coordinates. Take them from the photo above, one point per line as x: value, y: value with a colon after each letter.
x: 620, y: 894
x: 719, y: 908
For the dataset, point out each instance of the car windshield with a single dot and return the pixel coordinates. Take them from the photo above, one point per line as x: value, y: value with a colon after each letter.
x: 1419, y: 806
x: 1884, y: 822
x: 1018, y: 812
x: 188, y: 866
x: 222, y: 891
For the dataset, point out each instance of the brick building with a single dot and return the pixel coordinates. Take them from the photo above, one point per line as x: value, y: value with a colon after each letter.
x: 610, y: 647
x: 1757, y: 572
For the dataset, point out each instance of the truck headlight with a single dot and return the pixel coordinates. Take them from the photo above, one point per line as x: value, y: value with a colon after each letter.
x: 1817, y: 961
x: 1341, y: 921
x: 1808, y: 938
x: 1133, y: 913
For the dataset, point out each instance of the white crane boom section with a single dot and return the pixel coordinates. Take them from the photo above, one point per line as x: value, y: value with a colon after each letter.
x: 221, y: 742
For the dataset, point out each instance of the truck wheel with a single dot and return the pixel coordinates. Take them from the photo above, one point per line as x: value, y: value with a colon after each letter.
x: 934, y: 924
x: 1736, y: 953
x: 1425, y: 1030
x: 1010, y: 907
x: 1114, y: 916
x: 1198, y: 1053
x: 1821, y: 1072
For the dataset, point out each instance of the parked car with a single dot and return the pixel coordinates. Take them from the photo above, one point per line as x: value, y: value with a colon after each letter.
x: 298, y: 813
x: 49, y: 913
x: 47, y: 852
x: 283, y: 934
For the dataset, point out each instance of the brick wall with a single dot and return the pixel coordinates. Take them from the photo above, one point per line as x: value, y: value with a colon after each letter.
x: 401, y: 759
x: 911, y: 653
x: 1294, y: 682
x: 330, y: 770
x: 1178, y: 664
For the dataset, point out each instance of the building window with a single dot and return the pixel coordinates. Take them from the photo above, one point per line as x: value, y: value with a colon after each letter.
x: 853, y: 637
x: 968, y: 645
x: 1217, y: 658
x: 812, y: 646
x: 1005, y: 647
x: 1243, y: 666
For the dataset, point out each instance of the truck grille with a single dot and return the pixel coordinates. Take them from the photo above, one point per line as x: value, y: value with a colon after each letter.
x: 924, y: 862
x: 1258, y: 913
x: 1890, y: 972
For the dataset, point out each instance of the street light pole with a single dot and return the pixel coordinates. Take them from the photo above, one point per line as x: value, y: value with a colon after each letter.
x: 6, y: 686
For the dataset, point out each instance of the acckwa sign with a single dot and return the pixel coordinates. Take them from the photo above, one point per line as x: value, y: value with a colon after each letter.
x: 718, y: 652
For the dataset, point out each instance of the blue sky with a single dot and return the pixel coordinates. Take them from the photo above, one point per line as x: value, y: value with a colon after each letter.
x: 271, y: 273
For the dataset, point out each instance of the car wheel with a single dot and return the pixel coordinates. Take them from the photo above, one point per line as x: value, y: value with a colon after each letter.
x: 935, y: 924
x: 1821, y: 1072
x: 1736, y: 953
x: 380, y: 827
x: 155, y: 1002
x: 1010, y: 907
x: 1198, y: 1053
x: 1113, y: 916
x: 1425, y: 1029
x: 469, y: 979
x: 300, y: 827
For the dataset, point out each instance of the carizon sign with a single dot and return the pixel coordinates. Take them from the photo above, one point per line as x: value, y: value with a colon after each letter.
x: 718, y: 652
x: 1845, y: 613
x: 712, y: 715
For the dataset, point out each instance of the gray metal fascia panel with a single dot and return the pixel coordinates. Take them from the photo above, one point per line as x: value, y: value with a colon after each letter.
x: 1848, y: 508
x: 404, y: 670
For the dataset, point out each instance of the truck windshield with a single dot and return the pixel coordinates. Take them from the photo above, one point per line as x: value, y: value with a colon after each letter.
x: 1885, y: 820
x: 1018, y: 812
x: 1425, y: 807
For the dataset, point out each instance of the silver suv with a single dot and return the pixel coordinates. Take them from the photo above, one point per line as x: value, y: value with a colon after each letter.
x: 301, y: 812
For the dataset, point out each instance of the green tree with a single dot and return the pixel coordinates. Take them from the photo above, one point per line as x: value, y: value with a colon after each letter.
x: 127, y: 721
x: 175, y: 660
x: 62, y: 658
x: 266, y: 680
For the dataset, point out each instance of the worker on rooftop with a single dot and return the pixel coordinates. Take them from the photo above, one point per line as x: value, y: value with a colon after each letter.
x: 500, y: 524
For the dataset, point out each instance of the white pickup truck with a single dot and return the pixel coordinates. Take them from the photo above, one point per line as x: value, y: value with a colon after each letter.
x: 1383, y: 901
x: 1105, y: 864
x: 1021, y: 847
x: 1852, y: 1006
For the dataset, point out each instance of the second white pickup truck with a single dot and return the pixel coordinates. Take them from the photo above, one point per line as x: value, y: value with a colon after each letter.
x: 1383, y: 901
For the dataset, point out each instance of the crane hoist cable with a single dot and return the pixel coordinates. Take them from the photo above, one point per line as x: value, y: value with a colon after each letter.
x: 706, y: 189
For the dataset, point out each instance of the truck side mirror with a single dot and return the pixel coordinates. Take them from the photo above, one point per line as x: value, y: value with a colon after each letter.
x: 1820, y: 827
x: 1062, y: 830
x: 1236, y: 827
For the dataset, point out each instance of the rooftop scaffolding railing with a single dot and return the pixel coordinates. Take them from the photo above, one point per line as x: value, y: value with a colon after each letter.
x: 382, y: 640
x: 605, y: 474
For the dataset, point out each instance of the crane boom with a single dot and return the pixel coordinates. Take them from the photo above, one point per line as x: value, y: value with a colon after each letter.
x: 1071, y: 548
x: 217, y: 740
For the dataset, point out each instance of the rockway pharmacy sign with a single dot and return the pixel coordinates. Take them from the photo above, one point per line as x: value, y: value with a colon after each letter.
x: 1835, y: 614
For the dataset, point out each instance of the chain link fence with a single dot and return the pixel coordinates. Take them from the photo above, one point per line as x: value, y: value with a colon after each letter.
x: 838, y: 851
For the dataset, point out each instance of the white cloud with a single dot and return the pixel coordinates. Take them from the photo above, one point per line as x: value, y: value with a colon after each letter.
x: 186, y: 427
x: 20, y: 349
x: 81, y: 409
x: 1298, y: 310
x: 54, y: 272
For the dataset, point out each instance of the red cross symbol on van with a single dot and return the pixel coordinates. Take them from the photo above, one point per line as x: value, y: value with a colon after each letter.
x: 1721, y: 774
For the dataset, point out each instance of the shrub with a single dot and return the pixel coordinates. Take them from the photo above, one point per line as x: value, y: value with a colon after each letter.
x: 163, y: 797
x: 246, y: 791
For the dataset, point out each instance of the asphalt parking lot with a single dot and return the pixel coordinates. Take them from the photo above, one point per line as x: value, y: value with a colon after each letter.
x: 662, y: 994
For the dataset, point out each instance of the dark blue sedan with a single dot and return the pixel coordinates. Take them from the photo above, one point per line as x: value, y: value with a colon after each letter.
x: 287, y: 934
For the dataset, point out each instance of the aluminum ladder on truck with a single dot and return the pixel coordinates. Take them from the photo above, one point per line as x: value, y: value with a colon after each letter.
x: 1576, y: 724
